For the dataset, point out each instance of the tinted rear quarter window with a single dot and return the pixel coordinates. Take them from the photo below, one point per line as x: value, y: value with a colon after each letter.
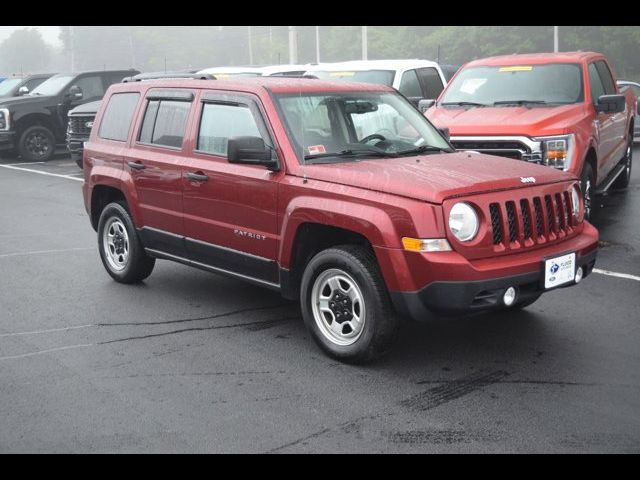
x: 116, y: 120
x: 165, y: 122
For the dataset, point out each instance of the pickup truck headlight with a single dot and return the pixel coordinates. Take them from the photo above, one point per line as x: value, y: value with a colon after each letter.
x: 4, y: 119
x: 463, y: 222
x: 558, y: 151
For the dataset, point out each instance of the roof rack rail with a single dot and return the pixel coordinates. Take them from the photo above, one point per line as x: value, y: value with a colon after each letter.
x: 168, y: 76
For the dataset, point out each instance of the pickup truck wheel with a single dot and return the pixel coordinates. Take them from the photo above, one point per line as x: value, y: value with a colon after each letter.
x: 121, y: 251
x: 37, y: 144
x: 623, y: 180
x: 346, y: 306
x: 587, y: 184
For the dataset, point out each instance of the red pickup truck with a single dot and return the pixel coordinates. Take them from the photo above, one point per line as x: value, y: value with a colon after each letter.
x: 562, y: 110
x: 339, y: 194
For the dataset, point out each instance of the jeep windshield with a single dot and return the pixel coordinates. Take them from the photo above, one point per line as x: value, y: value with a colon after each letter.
x: 516, y: 85
x: 344, y: 127
x: 53, y: 86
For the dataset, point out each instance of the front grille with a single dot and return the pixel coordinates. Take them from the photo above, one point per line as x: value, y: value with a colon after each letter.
x: 513, y: 224
x: 502, y: 148
x: 78, y: 125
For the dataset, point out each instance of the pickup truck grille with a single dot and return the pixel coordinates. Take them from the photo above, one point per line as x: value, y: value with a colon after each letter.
x: 550, y: 214
x: 78, y: 125
x: 502, y: 148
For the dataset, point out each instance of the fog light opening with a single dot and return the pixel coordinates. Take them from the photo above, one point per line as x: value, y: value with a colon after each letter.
x: 509, y: 297
x: 579, y: 274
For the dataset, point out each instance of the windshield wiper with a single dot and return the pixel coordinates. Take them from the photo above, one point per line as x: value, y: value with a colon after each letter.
x: 520, y: 102
x: 423, y: 149
x: 352, y: 152
x: 465, y: 104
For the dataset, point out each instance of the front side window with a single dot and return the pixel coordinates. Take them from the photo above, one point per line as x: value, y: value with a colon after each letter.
x: 606, y: 77
x: 342, y: 127
x: 116, y: 120
x: 53, y: 86
x: 91, y: 87
x: 554, y: 84
x: 410, y: 85
x: 220, y: 122
x: 597, y: 89
x: 432, y: 82
x: 165, y: 122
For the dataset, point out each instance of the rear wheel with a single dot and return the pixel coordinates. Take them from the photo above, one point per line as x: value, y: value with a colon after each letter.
x: 121, y: 250
x: 37, y: 144
x: 346, y: 306
x: 623, y: 180
x: 587, y: 181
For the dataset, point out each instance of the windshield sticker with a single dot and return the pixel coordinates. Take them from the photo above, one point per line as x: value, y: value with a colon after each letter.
x: 470, y: 85
x: 520, y: 68
x: 316, y: 149
x: 342, y: 74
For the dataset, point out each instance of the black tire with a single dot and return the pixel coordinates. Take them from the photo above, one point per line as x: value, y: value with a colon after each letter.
x: 138, y: 265
x: 623, y: 180
x: 588, y: 187
x: 380, y: 324
x: 37, y: 144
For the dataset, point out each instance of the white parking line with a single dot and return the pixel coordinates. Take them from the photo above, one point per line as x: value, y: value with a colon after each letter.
x: 609, y: 273
x: 42, y: 352
x: 52, y: 330
x: 24, y: 163
x: 41, y: 252
x: 68, y: 177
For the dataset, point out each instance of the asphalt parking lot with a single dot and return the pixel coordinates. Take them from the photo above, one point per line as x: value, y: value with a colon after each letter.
x: 193, y: 362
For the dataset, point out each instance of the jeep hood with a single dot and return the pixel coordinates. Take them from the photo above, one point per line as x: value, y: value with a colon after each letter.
x: 434, y: 178
x: 533, y: 122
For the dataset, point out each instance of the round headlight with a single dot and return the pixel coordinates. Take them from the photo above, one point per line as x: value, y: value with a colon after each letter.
x: 463, y: 222
x: 575, y: 203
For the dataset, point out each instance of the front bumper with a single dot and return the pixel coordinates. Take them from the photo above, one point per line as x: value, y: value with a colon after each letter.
x: 7, y: 140
x: 453, y: 296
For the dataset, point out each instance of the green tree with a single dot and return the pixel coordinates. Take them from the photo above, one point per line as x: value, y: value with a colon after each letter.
x: 24, y: 51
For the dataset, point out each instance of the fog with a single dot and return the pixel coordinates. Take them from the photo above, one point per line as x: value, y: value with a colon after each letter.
x: 158, y: 48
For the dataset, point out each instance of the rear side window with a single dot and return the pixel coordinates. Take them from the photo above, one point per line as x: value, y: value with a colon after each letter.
x: 220, y: 122
x: 116, y: 120
x: 165, y: 122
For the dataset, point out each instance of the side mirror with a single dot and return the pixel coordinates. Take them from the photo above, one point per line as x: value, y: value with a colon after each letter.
x: 23, y: 91
x: 610, y: 104
x: 251, y: 151
x: 75, y: 92
x: 444, y: 131
x: 424, y: 105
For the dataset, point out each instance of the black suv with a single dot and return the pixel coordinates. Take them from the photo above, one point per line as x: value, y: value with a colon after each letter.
x: 34, y: 124
x: 17, y: 86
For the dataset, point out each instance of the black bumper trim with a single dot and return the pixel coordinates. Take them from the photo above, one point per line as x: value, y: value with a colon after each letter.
x: 460, y: 298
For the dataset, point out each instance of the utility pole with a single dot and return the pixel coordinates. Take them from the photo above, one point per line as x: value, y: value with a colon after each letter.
x: 365, y: 53
x: 293, y: 45
x: 556, y: 45
x: 317, y: 44
x: 250, y: 45
x: 73, y: 53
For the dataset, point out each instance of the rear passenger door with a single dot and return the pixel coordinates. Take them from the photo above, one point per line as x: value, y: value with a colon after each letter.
x: 230, y: 209
x: 155, y: 168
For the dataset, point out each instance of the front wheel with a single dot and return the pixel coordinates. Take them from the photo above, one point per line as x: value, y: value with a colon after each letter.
x: 37, y: 144
x: 587, y: 184
x: 121, y: 250
x: 346, y: 306
x: 625, y: 177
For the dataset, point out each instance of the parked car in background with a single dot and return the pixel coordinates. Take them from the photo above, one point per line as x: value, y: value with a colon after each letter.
x: 270, y: 181
x: 284, y: 70
x: 415, y: 79
x: 34, y: 124
x: 17, y: 86
x: 226, y: 72
x: 562, y: 110
x: 625, y: 85
x: 79, y: 127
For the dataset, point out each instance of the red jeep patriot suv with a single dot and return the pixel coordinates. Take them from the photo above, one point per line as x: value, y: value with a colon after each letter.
x: 341, y: 195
